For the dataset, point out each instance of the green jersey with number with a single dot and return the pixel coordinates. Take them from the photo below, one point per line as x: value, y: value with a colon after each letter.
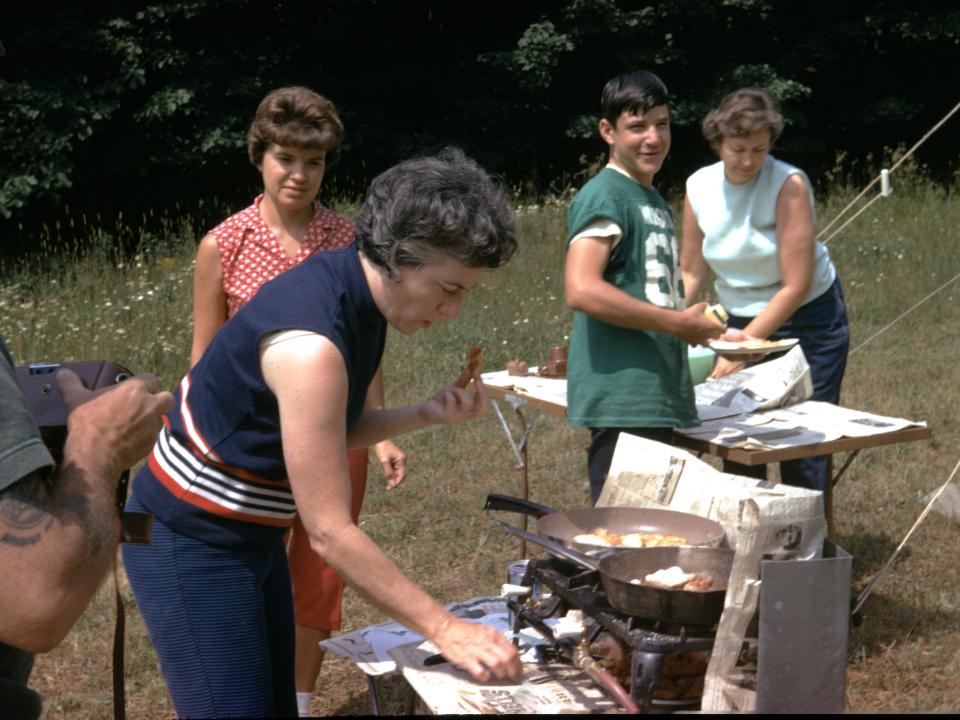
x: 618, y: 377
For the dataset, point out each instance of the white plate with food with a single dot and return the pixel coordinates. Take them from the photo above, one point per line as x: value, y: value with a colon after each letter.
x: 751, y: 347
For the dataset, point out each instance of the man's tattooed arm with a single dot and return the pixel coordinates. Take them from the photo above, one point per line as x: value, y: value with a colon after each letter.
x: 32, y: 506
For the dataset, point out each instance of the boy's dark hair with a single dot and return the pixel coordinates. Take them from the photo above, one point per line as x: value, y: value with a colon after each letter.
x: 635, y: 92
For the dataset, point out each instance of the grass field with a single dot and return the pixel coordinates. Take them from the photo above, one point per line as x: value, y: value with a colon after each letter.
x: 905, y: 657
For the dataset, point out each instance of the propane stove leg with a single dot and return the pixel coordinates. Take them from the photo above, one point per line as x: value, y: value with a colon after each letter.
x: 645, y: 671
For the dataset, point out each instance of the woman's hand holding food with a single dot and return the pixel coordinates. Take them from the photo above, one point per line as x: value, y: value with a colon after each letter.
x: 729, y: 365
x: 736, y: 335
x: 480, y: 650
x: 454, y: 404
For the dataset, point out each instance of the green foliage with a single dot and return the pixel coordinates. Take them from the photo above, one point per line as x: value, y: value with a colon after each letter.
x: 111, y: 106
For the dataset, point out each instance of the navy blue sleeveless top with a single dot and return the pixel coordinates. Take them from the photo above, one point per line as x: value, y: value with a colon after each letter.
x: 218, y: 462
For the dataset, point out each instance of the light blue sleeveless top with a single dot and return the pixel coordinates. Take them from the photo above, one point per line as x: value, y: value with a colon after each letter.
x: 740, y: 235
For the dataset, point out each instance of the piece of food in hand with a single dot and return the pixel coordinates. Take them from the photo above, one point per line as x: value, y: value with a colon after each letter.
x: 474, y: 363
x: 717, y: 313
x: 517, y: 368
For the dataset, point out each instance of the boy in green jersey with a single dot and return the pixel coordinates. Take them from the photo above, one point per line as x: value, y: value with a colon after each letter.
x: 628, y: 369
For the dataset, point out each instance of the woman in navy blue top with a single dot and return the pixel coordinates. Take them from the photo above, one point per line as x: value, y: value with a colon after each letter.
x: 262, y: 425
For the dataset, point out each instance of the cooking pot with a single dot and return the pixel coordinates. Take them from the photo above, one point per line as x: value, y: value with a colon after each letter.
x: 565, y: 526
x: 650, y: 602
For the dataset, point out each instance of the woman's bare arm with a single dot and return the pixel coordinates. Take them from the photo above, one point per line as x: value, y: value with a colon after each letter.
x: 692, y: 263
x: 314, y: 446
x: 209, y: 298
x: 795, y: 243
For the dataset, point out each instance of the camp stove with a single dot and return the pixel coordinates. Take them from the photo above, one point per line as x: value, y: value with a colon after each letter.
x: 639, y: 650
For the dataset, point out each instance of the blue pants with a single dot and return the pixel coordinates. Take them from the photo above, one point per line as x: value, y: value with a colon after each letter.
x: 221, y: 621
x: 822, y: 328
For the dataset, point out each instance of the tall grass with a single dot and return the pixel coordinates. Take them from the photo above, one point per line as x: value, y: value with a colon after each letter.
x: 905, y: 655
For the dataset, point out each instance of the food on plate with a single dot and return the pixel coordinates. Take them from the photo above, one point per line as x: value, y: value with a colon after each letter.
x: 517, y: 368
x: 759, y: 344
x: 717, y: 313
x: 746, y: 347
x: 605, y: 538
x: 674, y: 578
x: 474, y: 362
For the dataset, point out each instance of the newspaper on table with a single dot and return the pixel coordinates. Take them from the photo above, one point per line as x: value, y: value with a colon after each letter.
x: 843, y: 422
x: 760, y: 519
x: 445, y: 689
x: 767, y: 407
x: 551, y: 688
x: 783, y: 381
x: 369, y: 648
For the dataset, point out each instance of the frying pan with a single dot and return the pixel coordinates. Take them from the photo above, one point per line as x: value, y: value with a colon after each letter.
x: 672, y: 605
x: 565, y: 526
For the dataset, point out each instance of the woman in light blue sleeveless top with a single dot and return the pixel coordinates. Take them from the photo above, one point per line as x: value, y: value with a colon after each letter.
x: 749, y: 218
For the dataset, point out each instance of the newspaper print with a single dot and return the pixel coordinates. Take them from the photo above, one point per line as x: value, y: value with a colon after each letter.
x: 369, y: 648
x: 783, y: 381
x: 761, y: 520
x: 550, y: 688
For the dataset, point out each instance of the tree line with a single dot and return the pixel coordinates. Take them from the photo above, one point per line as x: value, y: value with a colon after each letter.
x: 111, y: 106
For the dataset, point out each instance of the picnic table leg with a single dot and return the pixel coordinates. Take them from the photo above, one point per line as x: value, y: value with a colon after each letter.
x: 519, y: 450
x: 524, y: 476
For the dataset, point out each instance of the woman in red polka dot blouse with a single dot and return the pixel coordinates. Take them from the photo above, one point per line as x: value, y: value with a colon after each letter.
x: 295, y: 136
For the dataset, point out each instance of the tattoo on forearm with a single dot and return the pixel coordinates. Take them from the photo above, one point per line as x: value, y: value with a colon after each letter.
x: 30, y: 507
x: 24, y: 511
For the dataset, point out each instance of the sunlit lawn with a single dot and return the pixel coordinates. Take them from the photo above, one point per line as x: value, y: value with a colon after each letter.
x: 906, y: 655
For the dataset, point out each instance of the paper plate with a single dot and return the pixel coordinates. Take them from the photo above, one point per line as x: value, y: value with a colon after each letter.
x: 752, y: 347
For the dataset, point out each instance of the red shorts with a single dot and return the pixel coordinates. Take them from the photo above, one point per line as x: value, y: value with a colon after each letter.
x: 317, y: 589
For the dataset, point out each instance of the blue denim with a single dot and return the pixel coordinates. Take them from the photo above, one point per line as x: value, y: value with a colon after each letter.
x: 823, y: 330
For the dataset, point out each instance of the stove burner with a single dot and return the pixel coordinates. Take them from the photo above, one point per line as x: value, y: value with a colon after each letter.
x: 650, y: 641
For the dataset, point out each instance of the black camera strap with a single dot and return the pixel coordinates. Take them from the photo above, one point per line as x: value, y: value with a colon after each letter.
x: 134, y: 528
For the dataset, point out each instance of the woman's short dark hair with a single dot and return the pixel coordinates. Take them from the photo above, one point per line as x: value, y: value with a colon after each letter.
x: 296, y: 117
x: 741, y: 113
x: 635, y: 92
x: 428, y: 206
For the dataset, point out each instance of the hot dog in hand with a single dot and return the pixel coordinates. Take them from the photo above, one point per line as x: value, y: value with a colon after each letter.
x: 474, y: 363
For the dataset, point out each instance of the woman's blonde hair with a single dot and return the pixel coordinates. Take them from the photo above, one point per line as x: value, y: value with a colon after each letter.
x: 741, y: 113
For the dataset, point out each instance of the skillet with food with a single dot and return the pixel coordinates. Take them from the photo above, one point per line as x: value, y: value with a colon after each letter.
x: 627, y: 582
x: 633, y: 527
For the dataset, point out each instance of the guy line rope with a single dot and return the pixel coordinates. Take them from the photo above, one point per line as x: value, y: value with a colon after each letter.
x: 884, y: 179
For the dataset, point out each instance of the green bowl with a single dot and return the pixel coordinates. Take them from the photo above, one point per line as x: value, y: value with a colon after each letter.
x: 701, y: 362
